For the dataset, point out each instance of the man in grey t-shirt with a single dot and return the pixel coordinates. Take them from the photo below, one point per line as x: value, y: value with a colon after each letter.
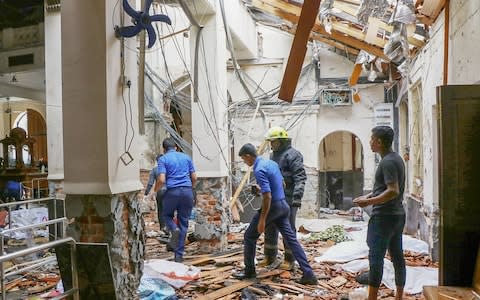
x: 386, y: 224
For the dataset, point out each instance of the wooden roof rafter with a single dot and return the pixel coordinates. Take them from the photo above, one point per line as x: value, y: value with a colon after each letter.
x: 291, y: 13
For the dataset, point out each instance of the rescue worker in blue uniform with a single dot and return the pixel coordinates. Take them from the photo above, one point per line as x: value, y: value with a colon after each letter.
x: 275, y: 210
x: 178, y: 174
x: 291, y: 166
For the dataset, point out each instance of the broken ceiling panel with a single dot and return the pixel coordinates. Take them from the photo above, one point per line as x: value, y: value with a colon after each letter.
x: 372, y: 8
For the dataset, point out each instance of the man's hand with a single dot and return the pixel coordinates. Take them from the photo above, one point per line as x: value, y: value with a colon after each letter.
x: 261, y: 226
x: 255, y: 189
x: 362, y: 201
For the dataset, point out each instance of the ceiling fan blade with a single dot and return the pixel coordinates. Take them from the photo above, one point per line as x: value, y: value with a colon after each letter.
x: 129, y: 31
x: 148, y: 3
x: 152, y: 36
x: 161, y: 18
x: 130, y: 11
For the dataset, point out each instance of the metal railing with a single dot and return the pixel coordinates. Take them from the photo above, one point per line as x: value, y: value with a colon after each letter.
x: 56, y: 242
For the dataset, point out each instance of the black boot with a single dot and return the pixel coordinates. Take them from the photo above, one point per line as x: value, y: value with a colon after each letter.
x: 308, y: 280
x: 173, y: 243
x: 245, y: 275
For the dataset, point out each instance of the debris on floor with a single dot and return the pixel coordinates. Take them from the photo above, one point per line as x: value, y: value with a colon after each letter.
x: 215, y: 280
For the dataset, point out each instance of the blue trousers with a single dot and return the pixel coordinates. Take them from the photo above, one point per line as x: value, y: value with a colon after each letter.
x: 180, y: 200
x: 270, y: 248
x: 279, y: 217
x: 385, y: 232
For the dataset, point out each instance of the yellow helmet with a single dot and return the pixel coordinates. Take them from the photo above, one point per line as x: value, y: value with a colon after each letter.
x: 276, y: 132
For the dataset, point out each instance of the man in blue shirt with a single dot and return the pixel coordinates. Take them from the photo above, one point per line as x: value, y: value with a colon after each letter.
x: 13, y: 190
x: 275, y: 210
x: 178, y: 174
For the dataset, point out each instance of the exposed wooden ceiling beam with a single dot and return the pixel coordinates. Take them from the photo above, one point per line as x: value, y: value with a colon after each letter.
x: 291, y: 13
x: 296, y: 57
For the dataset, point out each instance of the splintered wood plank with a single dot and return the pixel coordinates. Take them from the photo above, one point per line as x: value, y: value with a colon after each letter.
x: 212, y: 258
x: 226, y: 290
x: 216, y: 271
x: 357, y: 70
x: 224, y: 260
x: 307, y: 19
x: 269, y: 273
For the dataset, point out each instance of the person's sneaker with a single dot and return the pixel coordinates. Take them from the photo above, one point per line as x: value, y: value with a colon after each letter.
x: 266, y: 261
x: 244, y: 275
x: 178, y: 259
x: 308, y: 280
x: 287, y: 265
x: 173, y: 243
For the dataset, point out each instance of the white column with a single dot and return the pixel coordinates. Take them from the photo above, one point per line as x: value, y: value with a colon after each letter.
x: 96, y: 117
x: 53, y: 94
x: 209, y: 119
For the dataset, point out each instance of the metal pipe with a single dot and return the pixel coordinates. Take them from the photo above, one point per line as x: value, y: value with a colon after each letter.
x: 3, y: 233
x: 73, y: 258
x: 34, y: 249
x: 26, y: 264
x: 31, y: 267
x: 27, y: 201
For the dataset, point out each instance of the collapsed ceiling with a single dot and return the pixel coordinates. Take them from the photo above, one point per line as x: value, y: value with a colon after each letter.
x: 388, y: 29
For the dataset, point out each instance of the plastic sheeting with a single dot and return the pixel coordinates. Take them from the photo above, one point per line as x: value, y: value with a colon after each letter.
x: 155, y: 289
x: 175, y: 274
x: 348, y: 251
x: 417, y: 277
x: 25, y: 217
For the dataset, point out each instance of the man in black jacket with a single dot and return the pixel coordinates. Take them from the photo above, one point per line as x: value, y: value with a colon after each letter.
x: 290, y: 162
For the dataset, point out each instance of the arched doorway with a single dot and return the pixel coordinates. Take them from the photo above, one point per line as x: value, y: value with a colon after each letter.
x: 340, y: 170
x: 35, y: 126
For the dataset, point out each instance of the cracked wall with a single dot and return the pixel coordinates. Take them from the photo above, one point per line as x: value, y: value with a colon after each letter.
x: 116, y: 220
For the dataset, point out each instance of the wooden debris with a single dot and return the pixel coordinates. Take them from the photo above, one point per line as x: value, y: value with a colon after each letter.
x: 215, y: 280
x: 226, y: 290
x: 337, y: 281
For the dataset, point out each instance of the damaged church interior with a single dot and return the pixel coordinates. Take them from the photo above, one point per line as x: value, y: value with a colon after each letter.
x: 103, y: 101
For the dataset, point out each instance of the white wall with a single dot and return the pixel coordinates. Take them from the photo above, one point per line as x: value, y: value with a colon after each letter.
x: 318, y: 120
x: 464, y: 42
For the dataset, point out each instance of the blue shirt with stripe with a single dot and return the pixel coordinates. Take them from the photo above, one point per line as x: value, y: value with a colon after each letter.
x: 269, y: 178
x: 177, y: 167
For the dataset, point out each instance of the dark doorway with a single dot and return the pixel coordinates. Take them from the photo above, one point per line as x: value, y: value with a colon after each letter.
x: 341, y: 170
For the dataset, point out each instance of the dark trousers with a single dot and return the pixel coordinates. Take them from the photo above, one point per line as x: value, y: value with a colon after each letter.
x: 180, y: 200
x: 161, y: 219
x: 279, y: 217
x: 385, y: 232
x: 270, y: 248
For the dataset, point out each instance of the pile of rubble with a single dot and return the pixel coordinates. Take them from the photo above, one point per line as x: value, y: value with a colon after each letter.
x: 215, y: 280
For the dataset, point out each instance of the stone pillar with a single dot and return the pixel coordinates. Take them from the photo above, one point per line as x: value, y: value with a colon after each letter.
x: 209, y: 130
x: 101, y: 190
x: 53, y: 95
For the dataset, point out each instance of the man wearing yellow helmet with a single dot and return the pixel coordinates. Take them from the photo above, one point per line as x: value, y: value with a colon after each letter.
x: 291, y: 166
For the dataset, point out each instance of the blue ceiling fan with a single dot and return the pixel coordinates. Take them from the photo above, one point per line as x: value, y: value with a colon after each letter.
x: 141, y: 20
